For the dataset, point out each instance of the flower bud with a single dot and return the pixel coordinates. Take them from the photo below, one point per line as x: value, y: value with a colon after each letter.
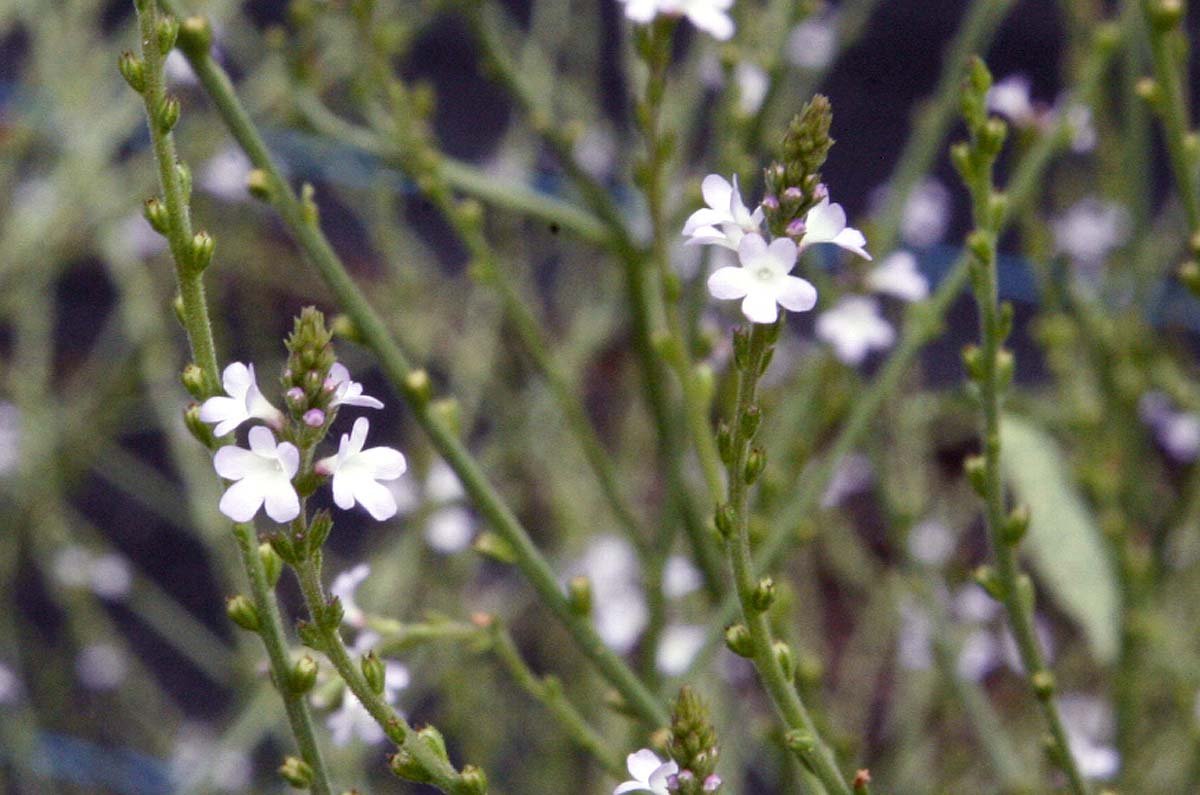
x: 242, y: 612
x: 705, y: 380
x: 303, y: 676
x: 796, y: 227
x: 184, y: 174
x: 1016, y: 525
x: 756, y: 462
x: 862, y: 782
x: 987, y: 579
x: 133, y: 69
x: 200, y: 252
x: 314, y: 418
x: 296, y: 772
x: 1165, y: 14
x: 331, y: 615
x: 167, y: 32
x: 725, y: 520
x: 167, y: 113
x: 493, y: 546
x: 738, y: 639
x: 976, y: 470
x: 155, y: 213
x: 258, y: 185
x: 433, y: 738
x: 417, y: 387
x: 712, y: 783
x: 764, y: 595
x: 725, y: 447
x: 741, y: 348
x: 579, y: 595
x: 973, y: 360
x: 1005, y: 365
x: 193, y: 380
x: 272, y: 564
x: 473, y: 780
x: 373, y: 671
x: 750, y: 421
x: 960, y: 156
x: 1149, y: 91
x: 783, y: 655
x: 195, y: 36
x: 448, y: 414
x: 197, y: 427
x: 980, y: 244
x: 800, y: 741
x: 404, y: 765
x: 1043, y: 685
x: 1189, y: 275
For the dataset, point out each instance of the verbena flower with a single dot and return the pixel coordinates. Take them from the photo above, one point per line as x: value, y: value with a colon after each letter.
x: 347, y: 392
x: 679, y: 645
x: 264, y: 477
x: 244, y: 402
x: 762, y: 280
x: 899, y: 276
x: 649, y: 773
x: 357, y: 472
x: 854, y: 328
x: 826, y: 223
x: 726, y: 219
x: 711, y: 16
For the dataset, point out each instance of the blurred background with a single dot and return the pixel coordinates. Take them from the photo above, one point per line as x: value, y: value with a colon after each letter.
x: 119, y: 672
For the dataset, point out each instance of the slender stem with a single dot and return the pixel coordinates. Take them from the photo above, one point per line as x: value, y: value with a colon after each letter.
x: 808, y: 745
x: 396, y: 367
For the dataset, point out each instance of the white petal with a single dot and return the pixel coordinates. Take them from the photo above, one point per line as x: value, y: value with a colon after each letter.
x: 782, y: 253
x: 358, y: 434
x: 705, y: 216
x: 658, y: 779
x: 716, y: 23
x: 384, y: 462
x: 630, y: 786
x: 241, y: 501
x: 823, y: 222
x: 796, y: 294
x: 852, y: 240
x: 283, y: 505
x: 236, y: 379
x: 365, y: 401
x: 377, y: 499
x: 234, y: 463
x: 716, y: 190
x: 262, y: 441
x: 289, y: 457
x: 729, y: 282
x: 759, y: 306
x: 343, y: 491
x: 227, y: 412
x: 338, y: 373
x: 752, y: 247
x: 642, y: 764
x: 711, y: 236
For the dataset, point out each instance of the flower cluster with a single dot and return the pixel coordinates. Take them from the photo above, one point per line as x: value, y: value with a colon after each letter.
x: 266, y: 475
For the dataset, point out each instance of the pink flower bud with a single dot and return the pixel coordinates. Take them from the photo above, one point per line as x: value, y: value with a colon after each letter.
x: 796, y: 228
x: 314, y: 418
x: 712, y: 783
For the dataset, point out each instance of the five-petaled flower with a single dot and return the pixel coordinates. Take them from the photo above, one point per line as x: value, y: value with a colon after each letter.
x: 264, y: 476
x: 762, y: 280
x: 854, y: 328
x: 726, y: 219
x: 347, y: 392
x: 357, y: 472
x: 826, y: 223
x: 649, y: 773
x: 244, y: 402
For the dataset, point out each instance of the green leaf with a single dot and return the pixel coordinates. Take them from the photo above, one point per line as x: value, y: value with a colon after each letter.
x: 1064, y: 541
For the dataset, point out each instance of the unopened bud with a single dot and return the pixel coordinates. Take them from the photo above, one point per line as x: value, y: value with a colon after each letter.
x: 197, y: 427
x: 193, y: 380
x: 271, y: 562
x: 303, y: 676
x: 258, y: 184
x: 1043, y: 685
x: 473, y: 780
x: 738, y: 639
x: 314, y: 418
x: 763, y: 595
x: 725, y: 520
x: 756, y: 462
x: 168, y: 31
x: 750, y: 421
x: 783, y: 656
x: 133, y: 69
x: 1189, y: 275
x: 493, y: 546
x: 201, y: 250
x: 374, y: 671
x: 155, y: 213
x: 1016, y: 525
x: 296, y: 772
x: 987, y: 579
x: 167, y: 113
x: 975, y: 468
x: 404, y: 765
x: 417, y: 387
x: 579, y: 595
x: 447, y: 412
x: 242, y: 612
x: 195, y: 36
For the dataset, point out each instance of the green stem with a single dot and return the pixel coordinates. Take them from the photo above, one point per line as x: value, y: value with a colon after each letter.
x: 808, y: 747
x: 396, y: 367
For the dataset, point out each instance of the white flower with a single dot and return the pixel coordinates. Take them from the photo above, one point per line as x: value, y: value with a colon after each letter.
x: 225, y: 174
x: 649, y: 773
x: 109, y: 577
x: 898, y: 275
x: 812, y: 43
x: 1083, y: 132
x: 177, y: 69
x: 244, y: 402
x: 930, y: 542
x: 711, y: 16
x: 1010, y: 97
x: 347, y: 392
x: 752, y: 83
x: 10, y: 686
x: 343, y: 587
x: 826, y: 223
x: 679, y: 645
x: 926, y: 214
x: 450, y: 529
x: 1090, y: 230
x: 1177, y: 432
x: 264, y: 476
x: 854, y: 474
x: 101, y: 666
x: 915, y: 639
x: 726, y: 219
x: 200, y: 763
x: 854, y: 328
x: 762, y: 280
x: 978, y: 656
x: 620, y: 614
x: 680, y: 577
x: 1088, y: 722
x: 357, y: 472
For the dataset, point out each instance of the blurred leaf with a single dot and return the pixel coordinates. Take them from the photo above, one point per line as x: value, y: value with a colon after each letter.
x: 1064, y: 540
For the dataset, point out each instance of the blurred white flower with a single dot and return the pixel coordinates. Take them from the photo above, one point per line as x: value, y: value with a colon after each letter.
x: 1178, y: 432
x: 679, y: 645
x: 1088, y: 722
x: 136, y: 234
x: 263, y: 474
x: 931, y: 543
x: 347, y: 392
x: 357, y: 472
x: 826, y: 223
x: 344, y: 587
x: 762, y: 280
x: 973, y: 605
x: 853, y: 474
x: 1010, y: 97
x: 450, y: 529
x: 914, y: 641
x: 680, y: 577
x: 612, y: 567
x: 198, y: 762
x: 752, y: 83
x: 242, y: 401
x: 649, y: 773
x: 177, y: 69
x: 352, y: 719
x: 224, y: 175
x: 10, y: 686
x: 898, y: 275
x: 107, y: 576
x: 101, y: 666
x: 813, y: 43
x: 727, y: 219
x: 1090, y: 230
x: 926, y: 214
x: 854, y: 328
x: 596, y: 151
x: 978, y: 656
x: 711, y: 16
x: 1083, y: 132
x: 10, y: 437
x: 1012, y: 655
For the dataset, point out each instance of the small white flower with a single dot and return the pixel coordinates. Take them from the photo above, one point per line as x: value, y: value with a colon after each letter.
x: 762, y: 280
x: 1083, y: 132
x: 109, y: 577
x: 101, y: 666
x: 649, y: 773
x: 752, y: 83
x: 854, y: 474
x: 978, y: 656
x: 10, y: 686
x: 679, y: 645
x: 926, y: 214
x: 442, y: 484
x: 680, y: 577
x: 347, y: 392
x: 225, y: 174
x: 854, y: 328
x: 711, y: 16
x: 244, y: 402
x: 611, y: 565
x: 357, y: 472
x: 450, y: 529
x: 343, y: 587
x: 974, y: 605
x: 199, y: 762
x: 1177, y: 432
x: 1091, y: 229
x: 726, y: 219
x: 930, y: 542
x: 914, y: 642
x: 264, y: 476
x: 1010, y: 97
x: 826, y: 223
x: 813, y: 43
x: 1088, y: 722
x: 177, y: 69
x: 898, y: 275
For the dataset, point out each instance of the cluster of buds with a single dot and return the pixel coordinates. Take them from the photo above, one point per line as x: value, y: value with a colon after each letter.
x: 693, y: 746
x: 308, y: 389
x: 794, y: 182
